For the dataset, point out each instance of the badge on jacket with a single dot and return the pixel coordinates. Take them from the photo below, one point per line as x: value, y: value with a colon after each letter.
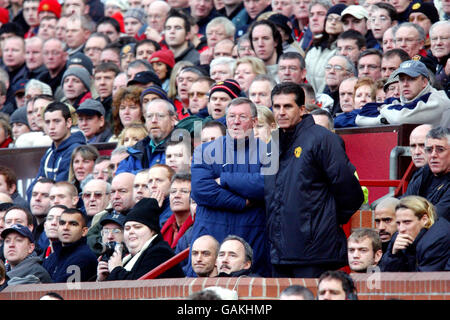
x: 298, y: 152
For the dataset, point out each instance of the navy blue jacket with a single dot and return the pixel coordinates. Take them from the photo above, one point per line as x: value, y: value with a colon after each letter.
x: 429, y: 251
x: 313, y: 193
x: 221, y: 209
x: 55, y: 164
x: 72, y: 263
x: 434, y: 189
x: 142, y: 157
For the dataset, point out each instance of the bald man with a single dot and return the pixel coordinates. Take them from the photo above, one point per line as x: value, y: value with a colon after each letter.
x: 385, y: 223
x: 417, y: 144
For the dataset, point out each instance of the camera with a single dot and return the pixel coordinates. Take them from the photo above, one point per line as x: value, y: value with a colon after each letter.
x: 106, y: 249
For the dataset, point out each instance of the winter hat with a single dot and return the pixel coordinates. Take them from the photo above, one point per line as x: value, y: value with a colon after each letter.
x: 428, y: 9
x: 4, y: 15
x: 91, y: 107
x: 50, y: 6
x: 164, y: 56
x: 81, y: 59
x: 155, y: 90
x: 136, y: 13
x: 229, y: 86
x: 145, y: 77
x: 119, y: 18
x: 79, y: 72
x: 19, y: 116
x: 337, y: 9
x: 281, y: 21
x: 147, y: 212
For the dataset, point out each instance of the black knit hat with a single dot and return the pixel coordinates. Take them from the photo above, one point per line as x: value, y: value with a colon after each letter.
x: 428, y: 9
x: 229, y: 86
x: 146, y: 211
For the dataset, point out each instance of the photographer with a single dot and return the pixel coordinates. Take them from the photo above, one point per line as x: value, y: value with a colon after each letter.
x: 143, y: 240
x: 112, y: 235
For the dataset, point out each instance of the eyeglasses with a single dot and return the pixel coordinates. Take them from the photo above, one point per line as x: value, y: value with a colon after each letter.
x: 437, y: 149
x: 234, y: 117
x: 335, y: 67
x: 368, y: 66
x: 183, y: 191
x: 159, y: 116
x: 290, y: 68
x: 198, y: 94
x: 110, y: 231
x: 97, y: 195
x: 407, y: 40
x: 330, y: 18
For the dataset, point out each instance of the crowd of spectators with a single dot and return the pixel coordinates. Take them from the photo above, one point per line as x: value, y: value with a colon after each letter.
x: 223, y: 116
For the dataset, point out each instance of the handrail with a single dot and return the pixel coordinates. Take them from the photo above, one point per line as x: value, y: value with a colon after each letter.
x: 379, y: 183
x: 163, y: 267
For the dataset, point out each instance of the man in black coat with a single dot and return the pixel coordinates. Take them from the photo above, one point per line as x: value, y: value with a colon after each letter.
x: 235, y: 258
x: 311, y: 195
x: 432, y: 180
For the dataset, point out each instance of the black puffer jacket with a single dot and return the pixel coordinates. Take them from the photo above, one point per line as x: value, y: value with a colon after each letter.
x: 313, y: 193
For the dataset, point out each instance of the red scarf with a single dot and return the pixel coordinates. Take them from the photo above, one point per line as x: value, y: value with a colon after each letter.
x: 6, y: 142
x: 169, y: 230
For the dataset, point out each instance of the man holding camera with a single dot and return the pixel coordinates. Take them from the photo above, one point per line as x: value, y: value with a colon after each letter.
x: 112, y: 235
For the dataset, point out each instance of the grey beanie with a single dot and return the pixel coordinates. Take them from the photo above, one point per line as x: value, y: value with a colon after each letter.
x: 19, y: 116
x: 136, y: 13
x: 79, y: 72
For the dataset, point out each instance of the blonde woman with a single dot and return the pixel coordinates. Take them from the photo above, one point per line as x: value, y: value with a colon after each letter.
x: 421, y: 242
x: 266, y: 124
x: 246, y: 69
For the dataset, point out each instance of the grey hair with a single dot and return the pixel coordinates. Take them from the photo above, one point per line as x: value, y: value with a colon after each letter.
x: 230, y: 62
x: 230, y: 28
x: 169, y: 106
x: 107, y: 184
x: 439, y: 23
x: 325, y: 3
x: 243, y: 100
x: 247, y: 247
x: 266, y: 77
x: 33, y: 83
x: 350, y: 65
x: 422, y: 35
x: 439, y: 133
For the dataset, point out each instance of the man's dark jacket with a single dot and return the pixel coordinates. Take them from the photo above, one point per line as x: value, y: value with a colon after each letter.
x: 313, y: 193
x: 73, y: 261
x: 433, y: 188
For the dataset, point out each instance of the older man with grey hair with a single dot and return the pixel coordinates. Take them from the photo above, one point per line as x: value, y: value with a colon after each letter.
x: 160, y: 120
x: 337, y: 70
x: 410, y: 37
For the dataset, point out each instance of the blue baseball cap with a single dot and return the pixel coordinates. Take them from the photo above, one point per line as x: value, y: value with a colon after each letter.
x: 20, y: 229
x: 412, y: 68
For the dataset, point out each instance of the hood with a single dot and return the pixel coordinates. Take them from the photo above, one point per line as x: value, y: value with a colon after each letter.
x: 75, y: 137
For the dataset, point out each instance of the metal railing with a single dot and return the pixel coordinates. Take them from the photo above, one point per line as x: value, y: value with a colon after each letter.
x: 163, y: 267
